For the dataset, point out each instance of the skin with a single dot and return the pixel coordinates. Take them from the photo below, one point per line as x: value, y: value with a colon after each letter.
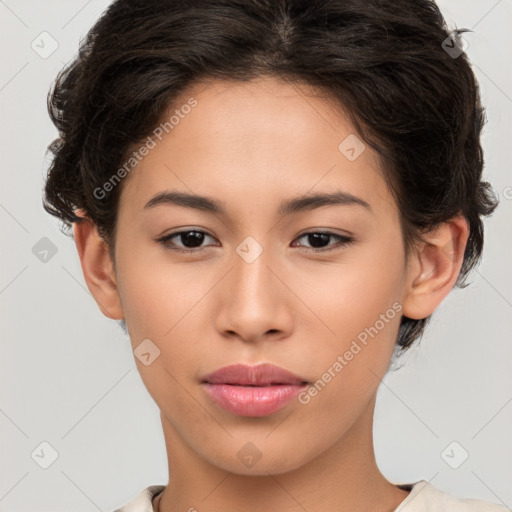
x: 251, y: 146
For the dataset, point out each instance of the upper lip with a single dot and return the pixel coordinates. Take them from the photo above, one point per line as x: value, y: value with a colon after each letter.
x: 260, y: 375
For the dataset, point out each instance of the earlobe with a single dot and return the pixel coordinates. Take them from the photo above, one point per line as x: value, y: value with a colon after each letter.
x: 97, y: 268
x: 434, y: 267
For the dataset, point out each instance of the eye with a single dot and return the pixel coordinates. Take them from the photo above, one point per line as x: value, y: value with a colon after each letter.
x: 318, y: 239
x: 190, y: 238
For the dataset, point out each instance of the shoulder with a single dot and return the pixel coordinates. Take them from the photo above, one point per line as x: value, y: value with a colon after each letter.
x: 425, y: 497
x: 143, y: 501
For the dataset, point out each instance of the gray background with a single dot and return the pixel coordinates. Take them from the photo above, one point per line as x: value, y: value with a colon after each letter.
x: 68, y: 375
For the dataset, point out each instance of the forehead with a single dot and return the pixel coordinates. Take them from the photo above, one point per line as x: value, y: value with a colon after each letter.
x: 262, y: 139
x: 280, y: 113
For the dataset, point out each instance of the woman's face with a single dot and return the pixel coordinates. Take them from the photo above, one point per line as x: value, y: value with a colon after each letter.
x: 254, y: 289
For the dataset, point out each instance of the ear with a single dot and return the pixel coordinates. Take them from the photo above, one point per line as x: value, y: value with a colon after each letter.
x: 97, y: 267
x: 434, y: 266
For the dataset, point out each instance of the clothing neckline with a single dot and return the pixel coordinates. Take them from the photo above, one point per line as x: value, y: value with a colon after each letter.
x: 156, y: 496
x: 413, y: 488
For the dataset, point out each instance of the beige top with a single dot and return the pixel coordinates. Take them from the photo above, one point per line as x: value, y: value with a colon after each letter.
x: 424, y: 497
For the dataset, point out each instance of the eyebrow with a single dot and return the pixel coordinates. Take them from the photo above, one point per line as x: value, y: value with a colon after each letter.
x: 287, y: 207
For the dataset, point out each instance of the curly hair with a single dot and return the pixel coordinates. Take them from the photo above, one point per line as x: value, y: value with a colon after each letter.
x: 386, y: 62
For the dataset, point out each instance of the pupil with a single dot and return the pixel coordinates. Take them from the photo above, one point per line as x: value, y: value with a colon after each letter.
x: 314, y: 238
x: 196, y: 239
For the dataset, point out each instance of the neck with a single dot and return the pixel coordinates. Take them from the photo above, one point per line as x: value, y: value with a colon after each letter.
x: 343, y: 477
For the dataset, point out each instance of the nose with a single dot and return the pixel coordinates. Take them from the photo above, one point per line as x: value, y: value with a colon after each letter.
x: 254, y: 301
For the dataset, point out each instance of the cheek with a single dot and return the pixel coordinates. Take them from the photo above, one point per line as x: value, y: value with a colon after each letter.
x: 161, y: 304
x: 351, y: 296
x: 155, y: 293
x: 358, y: 303
x: 166, y: 304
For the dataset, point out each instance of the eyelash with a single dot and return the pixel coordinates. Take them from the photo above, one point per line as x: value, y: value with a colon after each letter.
x: 344, y: 241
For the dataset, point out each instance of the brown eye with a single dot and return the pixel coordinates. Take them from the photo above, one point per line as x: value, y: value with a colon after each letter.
x: 320, y: 239
x: 190, y: 239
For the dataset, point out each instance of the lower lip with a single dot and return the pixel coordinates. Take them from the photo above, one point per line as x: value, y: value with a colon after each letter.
x: 252, y: 400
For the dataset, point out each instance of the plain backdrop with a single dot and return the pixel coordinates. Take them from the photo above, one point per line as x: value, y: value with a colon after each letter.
x: 69, y: 384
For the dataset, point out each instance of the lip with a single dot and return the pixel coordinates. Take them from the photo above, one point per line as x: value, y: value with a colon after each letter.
x: 253, y: 390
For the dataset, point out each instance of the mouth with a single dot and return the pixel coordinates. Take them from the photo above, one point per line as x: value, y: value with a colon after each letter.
x: 256, y: 385
x: 252, y: 390
x: 261, y: 375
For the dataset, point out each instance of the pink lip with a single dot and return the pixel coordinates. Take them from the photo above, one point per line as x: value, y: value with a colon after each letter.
x: 252, y: 390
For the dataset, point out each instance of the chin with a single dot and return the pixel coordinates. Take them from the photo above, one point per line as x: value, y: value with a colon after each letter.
x: 250, y: 461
